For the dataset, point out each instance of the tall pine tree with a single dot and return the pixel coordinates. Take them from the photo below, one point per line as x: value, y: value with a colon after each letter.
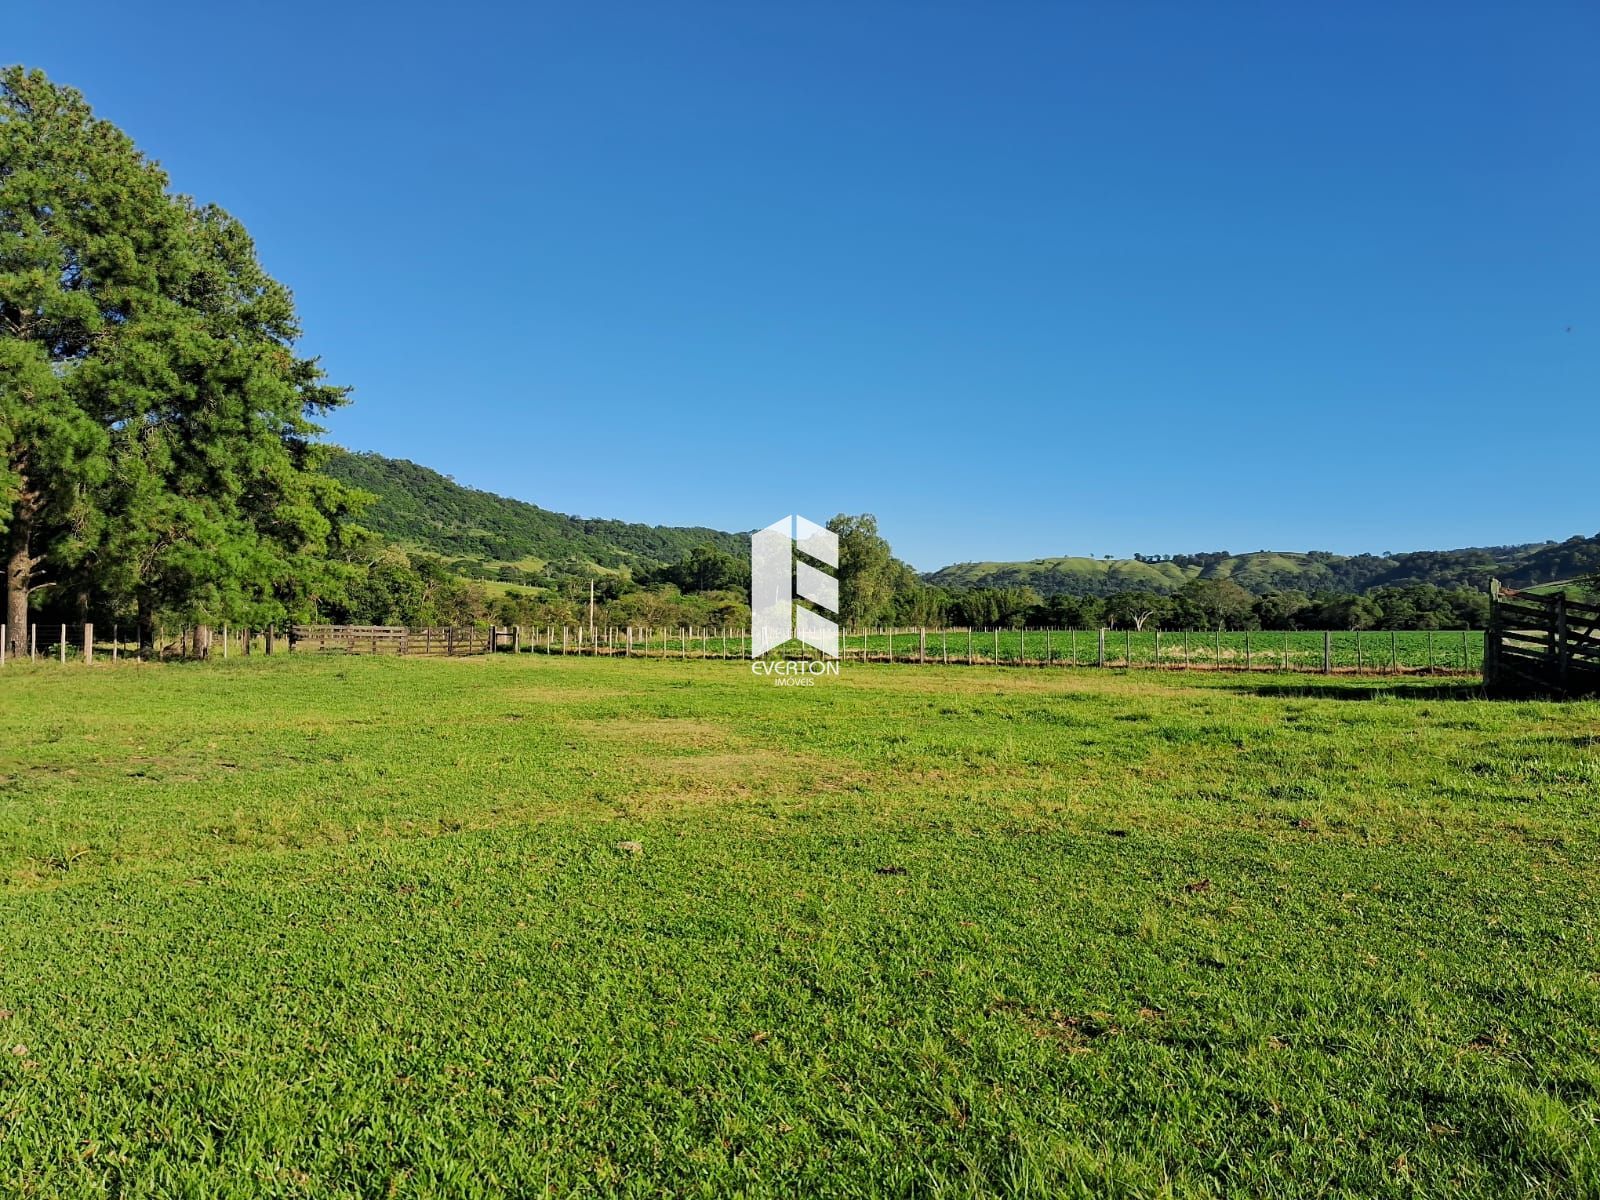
x: 156, y: 435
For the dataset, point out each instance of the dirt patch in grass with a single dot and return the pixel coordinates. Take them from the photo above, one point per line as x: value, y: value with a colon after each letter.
x: 673, y: 734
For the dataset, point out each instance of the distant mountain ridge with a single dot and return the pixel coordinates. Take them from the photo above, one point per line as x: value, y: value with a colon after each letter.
x: 1268, y: 571
x: 422, y: 509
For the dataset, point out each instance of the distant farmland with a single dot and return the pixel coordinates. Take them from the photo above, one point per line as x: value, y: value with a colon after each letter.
x: 1376, y: 651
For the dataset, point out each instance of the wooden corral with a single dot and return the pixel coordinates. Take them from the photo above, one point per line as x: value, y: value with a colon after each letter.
x: 1541, y: 644
x: 391, y: 639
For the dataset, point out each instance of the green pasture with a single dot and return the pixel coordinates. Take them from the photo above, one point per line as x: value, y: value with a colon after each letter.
x: 1376, y: 652
x: 525, y: 925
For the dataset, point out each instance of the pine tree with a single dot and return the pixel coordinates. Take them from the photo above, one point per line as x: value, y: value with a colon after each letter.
x: 87, y: 238
x: 155, y: 421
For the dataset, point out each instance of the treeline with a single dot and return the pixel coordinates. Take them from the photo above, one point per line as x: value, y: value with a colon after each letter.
x: 1314, y: 573
x: 157, y: 453
x: 385, y: 585
x: 1219, y: 604
x: 710, y: 588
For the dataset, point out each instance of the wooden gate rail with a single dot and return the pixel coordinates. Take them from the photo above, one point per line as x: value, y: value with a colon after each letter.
x: 1541, y: 644
x: 449, y: 640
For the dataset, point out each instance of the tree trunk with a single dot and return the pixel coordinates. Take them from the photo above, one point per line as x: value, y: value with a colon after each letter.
x: 19, y: 574
x: 147, y: 628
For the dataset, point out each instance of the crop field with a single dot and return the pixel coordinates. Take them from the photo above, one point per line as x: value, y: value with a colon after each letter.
x: 1377, y: 652
x: 344, y: 925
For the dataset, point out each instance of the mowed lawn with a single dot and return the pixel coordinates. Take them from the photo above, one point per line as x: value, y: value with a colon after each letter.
x: 354, y: 926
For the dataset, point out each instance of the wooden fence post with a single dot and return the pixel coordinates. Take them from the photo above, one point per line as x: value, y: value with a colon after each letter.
x: 1157, y: 653
x: 1327, y: 652
x: 33, y: 641
x: 1048, y: 656
x: 88, y: 643
x: 1102, y: 646
x: 1249, y: 662
x: 1127, y: 648
x: 1559, y: 643
x: 62, y: 646
x: 2, y: 644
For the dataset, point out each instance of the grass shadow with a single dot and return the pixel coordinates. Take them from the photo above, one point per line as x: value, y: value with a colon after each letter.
x: 1399, y: 690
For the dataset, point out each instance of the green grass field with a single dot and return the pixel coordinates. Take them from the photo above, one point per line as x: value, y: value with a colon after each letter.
x: 339, y: 926
x: 1371, y: 651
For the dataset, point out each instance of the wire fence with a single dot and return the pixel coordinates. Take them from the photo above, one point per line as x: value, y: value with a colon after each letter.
x: 53, y: 642
x: 1360, y: 651
x: 1385, y: 652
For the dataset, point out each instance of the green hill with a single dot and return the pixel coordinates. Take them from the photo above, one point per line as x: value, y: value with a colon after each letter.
x: 422, y: 509
x: 1266, y: 570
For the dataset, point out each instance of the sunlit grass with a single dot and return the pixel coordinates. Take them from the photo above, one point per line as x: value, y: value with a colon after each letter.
x: 359, y: 926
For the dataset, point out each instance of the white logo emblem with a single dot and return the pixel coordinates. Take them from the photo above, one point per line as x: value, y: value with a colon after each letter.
x: 779, y: 574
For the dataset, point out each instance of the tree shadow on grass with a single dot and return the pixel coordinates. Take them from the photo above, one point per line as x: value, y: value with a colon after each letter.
x: 1398, y: 690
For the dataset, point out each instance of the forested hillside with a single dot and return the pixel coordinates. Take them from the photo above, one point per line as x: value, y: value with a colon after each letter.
x: 423, y: 509
x: 1271, y: 571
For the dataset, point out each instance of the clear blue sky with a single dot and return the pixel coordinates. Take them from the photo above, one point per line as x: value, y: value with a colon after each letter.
x: 1026, y: 278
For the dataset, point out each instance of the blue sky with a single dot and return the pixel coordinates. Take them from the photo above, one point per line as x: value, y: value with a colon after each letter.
x: 1022, y: 279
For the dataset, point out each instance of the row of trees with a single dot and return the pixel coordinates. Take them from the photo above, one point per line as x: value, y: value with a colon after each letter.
x: 1199, y: 604
x: 1222, y: 604
x: 384, y: 585
x: 710, y: 588
x: 156, y: 425
x: 372, y: 582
